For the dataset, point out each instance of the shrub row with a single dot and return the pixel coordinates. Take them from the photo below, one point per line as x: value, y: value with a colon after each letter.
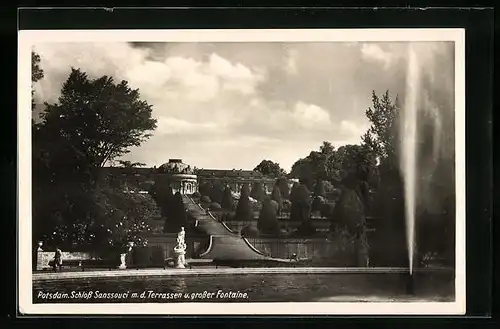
x: 143, y: 257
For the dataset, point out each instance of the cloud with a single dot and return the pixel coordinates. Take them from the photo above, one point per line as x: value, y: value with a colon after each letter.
x: 374, y: 52
x: 173, y: 77
x: 167, y: 125
x: 231, y: 105
x: 310, y: 115
x: 353, y: 128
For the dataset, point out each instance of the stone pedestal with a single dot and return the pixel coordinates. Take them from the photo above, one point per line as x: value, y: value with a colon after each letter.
x: 180, y: 258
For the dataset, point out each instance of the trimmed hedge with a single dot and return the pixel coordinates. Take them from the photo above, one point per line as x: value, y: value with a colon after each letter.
x: 157, y: 256
x: 144, y: 257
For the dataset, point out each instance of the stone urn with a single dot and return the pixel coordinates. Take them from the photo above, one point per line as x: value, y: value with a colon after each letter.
x: 123, y: 259
x: 40, y: 244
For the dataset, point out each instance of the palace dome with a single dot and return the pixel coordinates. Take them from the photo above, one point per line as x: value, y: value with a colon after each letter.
x: 175, y: 166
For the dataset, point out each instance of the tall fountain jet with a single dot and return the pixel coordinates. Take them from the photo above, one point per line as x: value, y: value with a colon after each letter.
x: 409, y: 149
x: 427, y: 135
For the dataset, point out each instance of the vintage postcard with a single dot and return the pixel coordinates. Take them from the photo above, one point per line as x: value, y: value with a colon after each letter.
x: 242, y: 172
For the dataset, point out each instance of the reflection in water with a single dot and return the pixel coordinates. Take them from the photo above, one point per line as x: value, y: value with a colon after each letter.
x: 178, y: 284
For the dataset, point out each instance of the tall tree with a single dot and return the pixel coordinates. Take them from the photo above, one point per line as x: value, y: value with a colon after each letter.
x: 301, y: 204
x: 163, y: 195
x: 178, y: 215
x: 227, y: 199
x: 244, y: 211
x: 293, y: 192
x: 382, y: 136
x: 276, y: 196
x: 258, y: 192
x: 284, y: 188
x: 99, y: 218
x: 217, y: 192
x: 319, y: 188
x: 205, y: 189
x: 267, y: 222
x: 359, y: 169
x: 36, y: 71
x: 318, y: 165
x: 36, y: 75
x: 270, y: 169
x: 93, y: 122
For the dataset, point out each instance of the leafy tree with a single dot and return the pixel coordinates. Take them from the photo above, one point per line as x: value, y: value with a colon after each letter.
x: 349, y: 215
x: 205, y: 189
x: 301, y: 211
x: 129, y: 164
x: 270, y: 169
x: 93, y: 122
x: 217, y: 192
x: 287, y: 206
x: 359, y: 170
x: 283, y: 187
x: 319, y: 188
x: 293, y: 192
x: 36, y: 75
x: 382, y: 136
x: 318, y: 165
x: 258, y: 192
x: 227, y: 199
x: 301, y: 204
x: 138, y: 209
x: 163, y: 195
x: 348, y: 211
x: 304, y: 170
x: 100, y: 218
x: 326, y: 210
x: 275, y: 205
x: 244, y: 210
x: 267, y: 222
x: 36, y: 71
x: 359, y: 161
x: 276, y: 196
x: 317, y: 203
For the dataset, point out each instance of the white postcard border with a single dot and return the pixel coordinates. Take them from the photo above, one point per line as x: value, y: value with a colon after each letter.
x: 27, y: 38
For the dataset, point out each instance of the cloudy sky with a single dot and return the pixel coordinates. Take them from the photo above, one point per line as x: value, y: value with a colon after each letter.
x: 231, y: 105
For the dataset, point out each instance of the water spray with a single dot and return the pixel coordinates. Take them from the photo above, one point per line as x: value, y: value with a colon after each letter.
x: 409, y: 150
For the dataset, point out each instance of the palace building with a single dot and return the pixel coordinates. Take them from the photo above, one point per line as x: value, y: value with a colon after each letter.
x: 185, y: 179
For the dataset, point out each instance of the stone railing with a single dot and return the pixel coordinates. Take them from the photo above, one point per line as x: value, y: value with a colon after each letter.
x: 303, y: 248
x: 320, y: 225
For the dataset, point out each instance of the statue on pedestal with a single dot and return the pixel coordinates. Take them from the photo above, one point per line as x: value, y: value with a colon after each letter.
x: 180, y: 249
x: 123, y: 256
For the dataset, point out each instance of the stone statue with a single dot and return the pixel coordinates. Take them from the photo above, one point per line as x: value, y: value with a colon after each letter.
x: 181, y: 236
x: 180, y: 249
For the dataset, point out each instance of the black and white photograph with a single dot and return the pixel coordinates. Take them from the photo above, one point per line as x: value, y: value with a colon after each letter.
x: 242, y: 171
